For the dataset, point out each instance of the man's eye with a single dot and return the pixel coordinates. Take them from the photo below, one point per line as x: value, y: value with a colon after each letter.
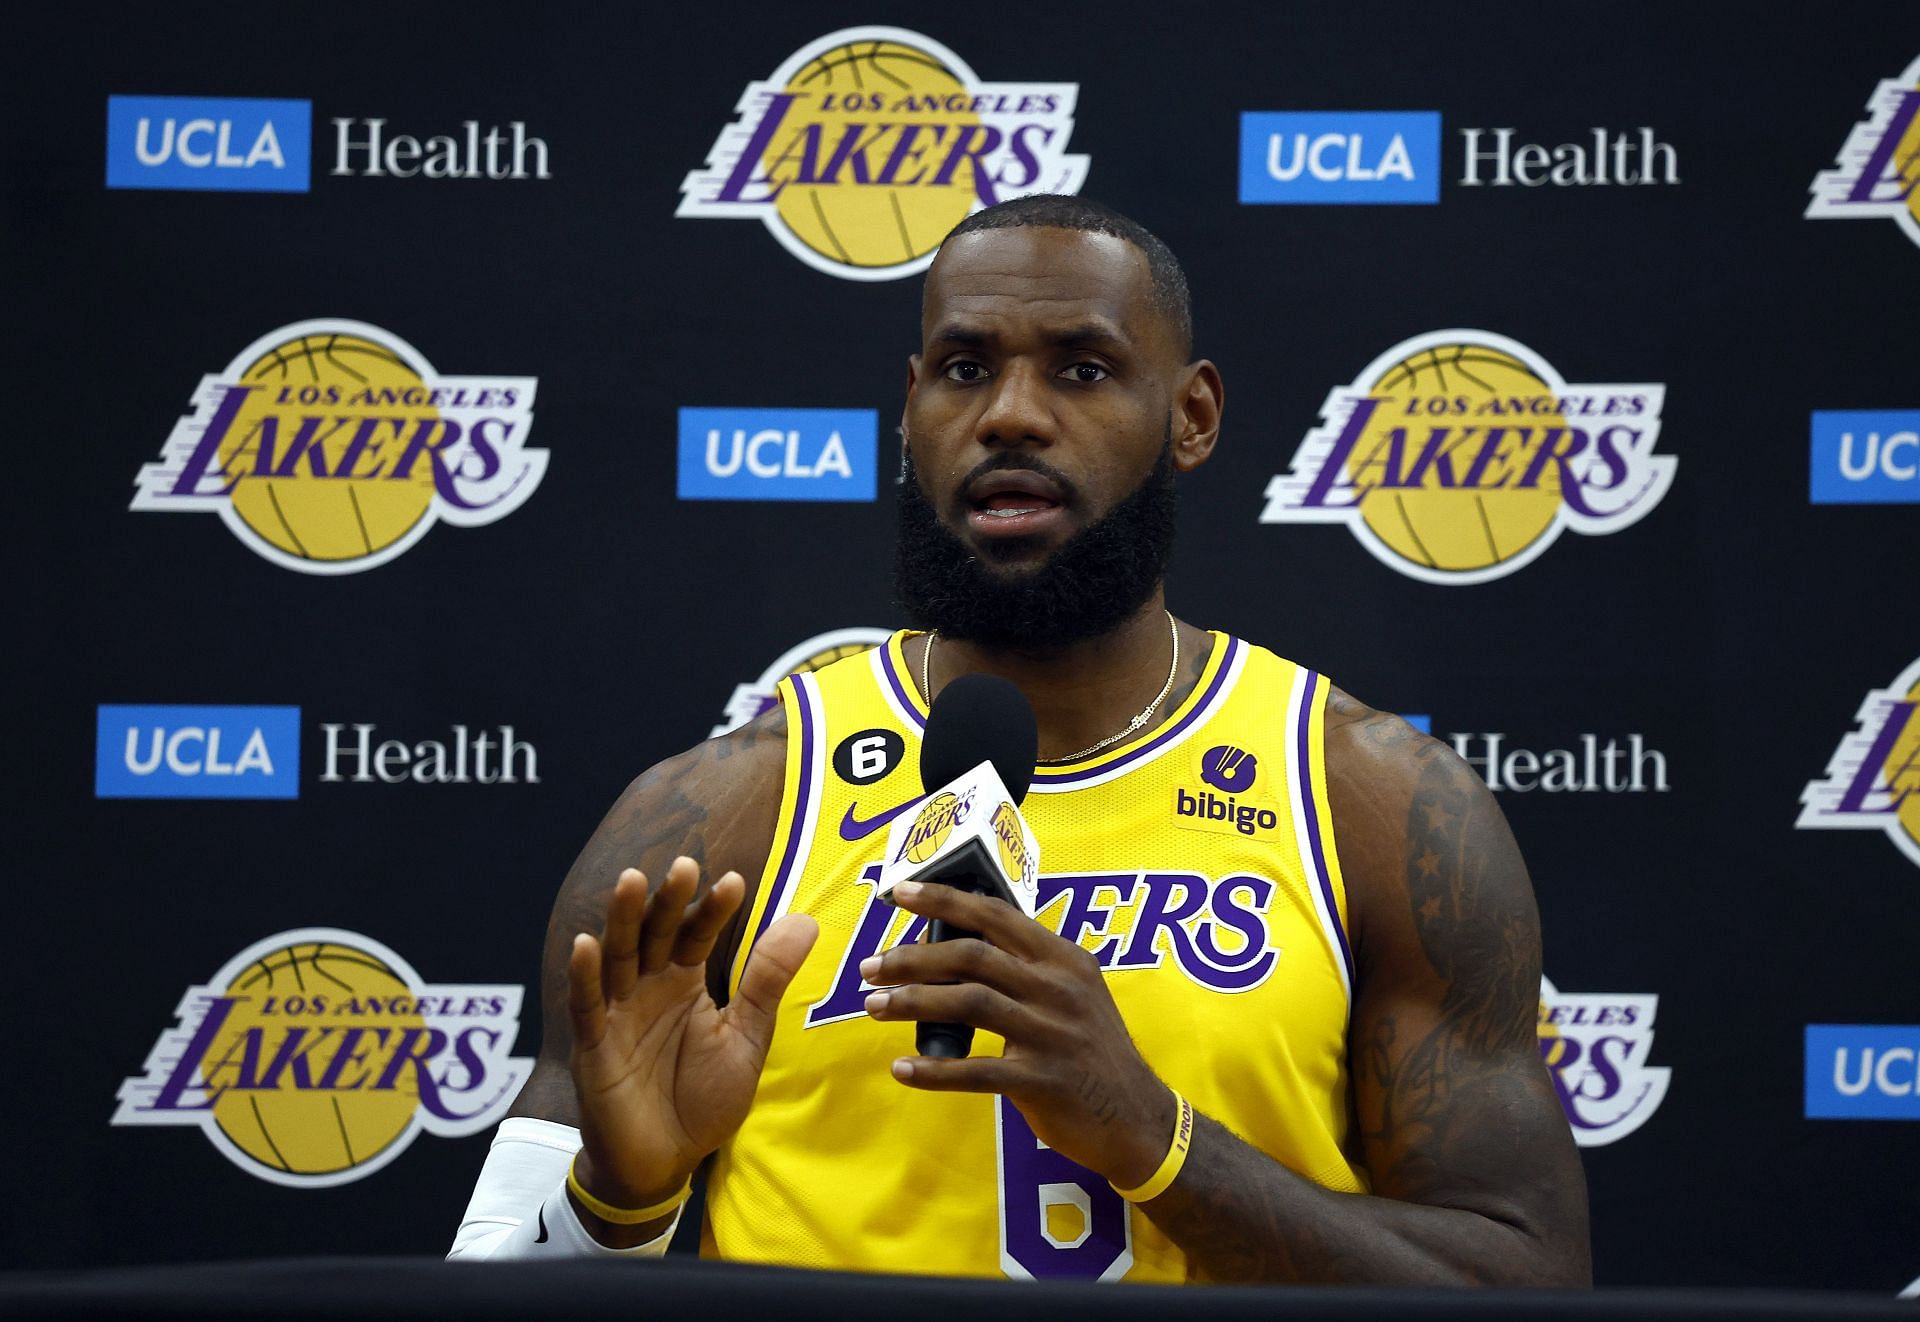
x: 965, y: 371
x: 1086, y: 372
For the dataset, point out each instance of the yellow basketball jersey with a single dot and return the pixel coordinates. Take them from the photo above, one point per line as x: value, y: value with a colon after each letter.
x: 1195, y: 860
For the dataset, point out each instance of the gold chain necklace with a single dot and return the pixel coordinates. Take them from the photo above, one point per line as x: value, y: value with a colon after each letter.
x: 1173, y: 670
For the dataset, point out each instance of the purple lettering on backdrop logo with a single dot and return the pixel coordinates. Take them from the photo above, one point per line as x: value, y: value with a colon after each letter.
x: 1877, y: 173
x: 868, y: 144
x: 823, y: 649
x: 1873, y: 778
x: 315, y: 1057
x: 1228, y: 769
x: 1595, y: 1046
x: 1459, y: 456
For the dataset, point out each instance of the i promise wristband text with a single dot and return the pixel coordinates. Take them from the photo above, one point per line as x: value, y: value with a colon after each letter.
x: 1170, y: 1167
x: 623, y: 1216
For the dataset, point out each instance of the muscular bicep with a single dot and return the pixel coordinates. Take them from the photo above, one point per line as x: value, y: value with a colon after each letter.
x: 715, y: 803
x: 1455, y: 1108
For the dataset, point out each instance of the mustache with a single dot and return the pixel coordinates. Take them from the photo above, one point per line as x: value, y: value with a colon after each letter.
x: 1007, y: 460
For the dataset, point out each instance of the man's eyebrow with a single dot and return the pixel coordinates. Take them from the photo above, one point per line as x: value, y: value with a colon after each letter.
x: 954, y: 333
x: 1089, y: 335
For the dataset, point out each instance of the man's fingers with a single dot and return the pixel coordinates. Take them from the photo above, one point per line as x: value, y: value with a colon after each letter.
x: 996, y: 920
x: 963, y: 959
x: 665, y: 913
x: 974, y: 1074
x: 584, y: 1004
x: 709, y: 918
x: 620, y: 953
x: 965, y: 1003
x: 776, y: 958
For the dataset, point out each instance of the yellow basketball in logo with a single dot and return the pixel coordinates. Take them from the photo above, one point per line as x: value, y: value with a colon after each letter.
x: 931, y: 828
x: 873, y: 98
x: 300, y: 480
x: 1429, y: 522
x: 1553, y: 1047
x: 1902, y: 770
x: 1906, y: 164
x: 307, y: 1130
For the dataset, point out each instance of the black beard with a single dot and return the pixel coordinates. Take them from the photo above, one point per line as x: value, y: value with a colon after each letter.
x: 1099, y: 578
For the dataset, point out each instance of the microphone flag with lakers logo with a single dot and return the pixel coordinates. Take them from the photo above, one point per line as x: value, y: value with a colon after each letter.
x: 976, y: 761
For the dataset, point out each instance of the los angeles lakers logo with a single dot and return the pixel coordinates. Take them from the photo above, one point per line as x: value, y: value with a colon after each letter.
x: 936, y: 821
x: 1013, y: 846
x: 332, y: 446
x: 1873, y: 779
x: 866, y: 146
x: 316, y: 1057
x: 1596, y: 1047
x: 1876, y: 175
x: 823, y: 649
x: 1460, y: 456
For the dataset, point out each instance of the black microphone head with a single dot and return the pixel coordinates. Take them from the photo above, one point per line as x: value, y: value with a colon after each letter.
x: 975, y: 719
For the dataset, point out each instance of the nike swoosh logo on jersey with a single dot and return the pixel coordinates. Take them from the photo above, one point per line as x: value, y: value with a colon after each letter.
x: 854, y: 828
x: 541, y: 1238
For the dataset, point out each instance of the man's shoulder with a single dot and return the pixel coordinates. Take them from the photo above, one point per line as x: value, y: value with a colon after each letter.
x: 1379, y: 770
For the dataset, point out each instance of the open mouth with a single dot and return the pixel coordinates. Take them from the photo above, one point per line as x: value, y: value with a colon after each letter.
x: 1012, y: 502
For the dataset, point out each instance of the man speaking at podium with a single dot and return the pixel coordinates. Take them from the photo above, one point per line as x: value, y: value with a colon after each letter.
x: 1275, y: 1017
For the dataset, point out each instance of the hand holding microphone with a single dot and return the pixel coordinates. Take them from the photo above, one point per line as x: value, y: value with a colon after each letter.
x: 976, y: 761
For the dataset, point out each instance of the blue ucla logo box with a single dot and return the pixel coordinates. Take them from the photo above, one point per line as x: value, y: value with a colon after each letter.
x: 180, y: 752
x: 1865, y: 457
x: 1863, y: 1072
x: 778, y: 454
x: 1352, y: 156
x: 209, y: 142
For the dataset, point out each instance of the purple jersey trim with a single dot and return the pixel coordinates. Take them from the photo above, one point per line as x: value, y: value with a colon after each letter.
x: 802, y: 805
x: 909, y: 699
x: 1310, y: 810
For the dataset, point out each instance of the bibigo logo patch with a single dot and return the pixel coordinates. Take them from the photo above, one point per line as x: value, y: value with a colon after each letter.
x: 1459, y: 456
x: 332, y: 446
x: 314, y: 1057
x: 1873, y: 778
x: 866, y: 146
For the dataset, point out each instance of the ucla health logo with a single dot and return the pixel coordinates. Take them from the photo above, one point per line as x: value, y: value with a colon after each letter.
x: 1873, y: 778
x: 1878, y: 168
x: 1460, y: 456
x: 217, y: 142
x: 1863, y: 1072
x: 315, y: 1057
x: 332, y: 446
x: 823, y: 649
x: 866, y: 146
x: 182, y: 752
x: 778, y: 454
x: 1865, y: 457
x: 1370, y: 156
x: 1596, y: 1046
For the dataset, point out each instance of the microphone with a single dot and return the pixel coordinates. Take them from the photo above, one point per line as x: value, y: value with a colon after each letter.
x: 976, y: 762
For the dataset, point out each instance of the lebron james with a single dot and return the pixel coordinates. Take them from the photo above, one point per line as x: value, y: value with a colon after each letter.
x: 1275, y: 1017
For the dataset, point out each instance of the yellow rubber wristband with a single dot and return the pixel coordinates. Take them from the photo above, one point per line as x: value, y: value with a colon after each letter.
x: 1170, y: 1167
x: 624, y: 1216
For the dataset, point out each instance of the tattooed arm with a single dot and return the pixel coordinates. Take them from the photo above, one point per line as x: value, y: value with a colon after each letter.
x: 1474, y: 1172
x: 714, y: 803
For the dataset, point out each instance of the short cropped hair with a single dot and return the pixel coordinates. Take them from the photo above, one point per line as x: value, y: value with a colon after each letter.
x: 1062, y: 211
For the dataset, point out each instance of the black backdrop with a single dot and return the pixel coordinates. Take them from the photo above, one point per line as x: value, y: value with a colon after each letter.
x: 1736, y: 627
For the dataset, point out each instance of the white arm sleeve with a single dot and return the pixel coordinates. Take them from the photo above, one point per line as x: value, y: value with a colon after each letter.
x: 520, y: 1207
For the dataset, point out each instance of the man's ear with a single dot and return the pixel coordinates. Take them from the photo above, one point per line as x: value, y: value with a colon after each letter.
x: 1195, y: 415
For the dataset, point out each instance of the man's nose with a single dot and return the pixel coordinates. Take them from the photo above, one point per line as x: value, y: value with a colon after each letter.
x: 1019, y: 411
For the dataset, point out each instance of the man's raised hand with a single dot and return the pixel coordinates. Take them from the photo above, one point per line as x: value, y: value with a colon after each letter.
x: 662, y: 1074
